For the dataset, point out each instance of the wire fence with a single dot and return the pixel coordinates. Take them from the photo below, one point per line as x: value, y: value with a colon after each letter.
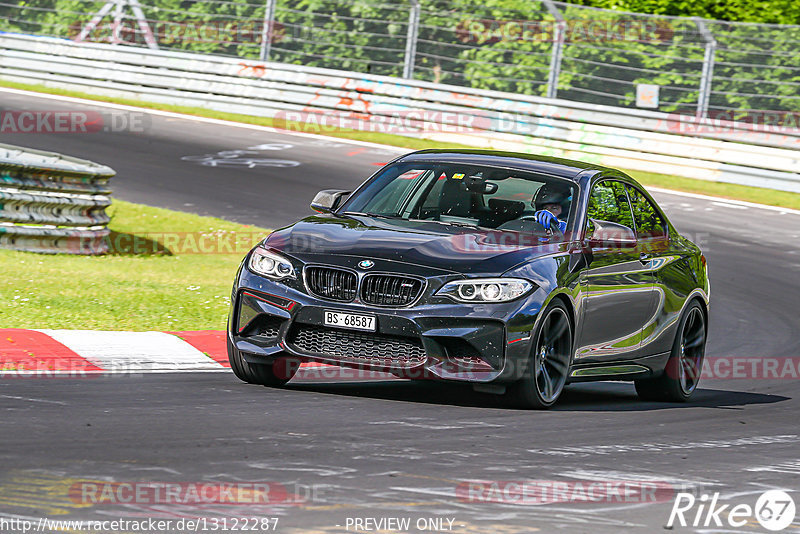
x: 541, y: 47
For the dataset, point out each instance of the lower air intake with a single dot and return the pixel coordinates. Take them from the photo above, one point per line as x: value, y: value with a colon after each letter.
x: 358, y: 347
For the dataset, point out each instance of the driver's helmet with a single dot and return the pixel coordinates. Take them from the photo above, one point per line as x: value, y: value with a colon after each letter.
x: 553, y: 194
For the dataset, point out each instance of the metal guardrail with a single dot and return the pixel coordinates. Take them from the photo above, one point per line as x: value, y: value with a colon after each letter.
x: 621, y: 137
x: 52, y: 203
x: 538, y: 47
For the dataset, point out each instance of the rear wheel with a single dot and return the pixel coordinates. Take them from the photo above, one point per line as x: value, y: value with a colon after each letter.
x: 548, y: 364
x: 276, y: 374
x: 685, y: 363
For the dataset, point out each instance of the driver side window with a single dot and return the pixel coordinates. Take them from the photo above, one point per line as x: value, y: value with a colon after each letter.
x: 609, y: 202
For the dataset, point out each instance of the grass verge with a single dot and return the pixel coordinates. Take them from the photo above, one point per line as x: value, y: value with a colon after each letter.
x: 719, y: 189
x: 184, y: 285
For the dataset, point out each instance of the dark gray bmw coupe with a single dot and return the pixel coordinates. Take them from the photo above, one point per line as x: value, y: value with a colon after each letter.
x: 516, y: 273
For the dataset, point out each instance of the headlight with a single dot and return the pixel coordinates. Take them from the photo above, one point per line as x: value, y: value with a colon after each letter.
x: 486, y: 289
x: 271, y: 265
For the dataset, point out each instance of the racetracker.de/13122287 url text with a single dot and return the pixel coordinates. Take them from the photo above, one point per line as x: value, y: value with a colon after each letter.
x: 148, y: 525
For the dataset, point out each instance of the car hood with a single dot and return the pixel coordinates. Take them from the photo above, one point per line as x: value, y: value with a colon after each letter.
x: 447, y: 248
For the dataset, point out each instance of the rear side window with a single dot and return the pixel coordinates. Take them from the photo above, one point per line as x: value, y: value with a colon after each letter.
x: 649, y: 222
x: 609, y: 202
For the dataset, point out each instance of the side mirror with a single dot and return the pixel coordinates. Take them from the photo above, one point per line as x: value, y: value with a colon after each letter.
x: 606, y: 234
x: 328, y: 200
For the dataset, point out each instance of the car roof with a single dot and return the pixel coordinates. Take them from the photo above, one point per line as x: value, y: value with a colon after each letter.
x: 562, y: 168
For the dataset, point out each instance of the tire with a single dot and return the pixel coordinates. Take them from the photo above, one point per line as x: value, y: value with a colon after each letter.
x: 274, y: 375
x: 549, y: 362
x: 682, y: 372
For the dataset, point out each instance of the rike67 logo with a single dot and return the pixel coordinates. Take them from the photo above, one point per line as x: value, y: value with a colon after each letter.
x: 774, y: 510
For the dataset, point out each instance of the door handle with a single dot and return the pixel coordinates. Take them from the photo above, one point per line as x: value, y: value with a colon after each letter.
x: 644, y: 258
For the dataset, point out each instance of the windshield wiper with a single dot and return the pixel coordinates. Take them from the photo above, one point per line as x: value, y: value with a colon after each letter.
x: 368, y: 214
x: 452, y: 223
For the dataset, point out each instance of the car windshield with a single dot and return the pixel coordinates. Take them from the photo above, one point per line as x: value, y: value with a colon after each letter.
x: 468, y: 195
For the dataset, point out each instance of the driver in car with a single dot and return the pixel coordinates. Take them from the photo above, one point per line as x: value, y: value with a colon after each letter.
x: 550, y: 201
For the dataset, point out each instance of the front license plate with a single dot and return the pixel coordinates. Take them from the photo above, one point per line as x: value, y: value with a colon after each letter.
x: 350, y: 320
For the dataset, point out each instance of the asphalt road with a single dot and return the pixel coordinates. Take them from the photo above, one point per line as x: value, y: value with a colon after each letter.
x: 397, y: 449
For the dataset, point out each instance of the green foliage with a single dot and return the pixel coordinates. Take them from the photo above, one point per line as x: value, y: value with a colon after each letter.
x: 767, y: 11
x: 351, y: 35
x: 502, y: 45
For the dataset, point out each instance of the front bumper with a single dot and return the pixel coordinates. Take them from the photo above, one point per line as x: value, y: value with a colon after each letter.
x: 434, y: 339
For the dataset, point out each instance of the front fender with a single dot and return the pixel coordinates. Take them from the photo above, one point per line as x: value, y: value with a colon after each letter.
x: 554, y: 280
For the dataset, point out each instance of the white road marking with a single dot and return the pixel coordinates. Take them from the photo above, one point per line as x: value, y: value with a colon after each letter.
x: 319, y: 470
x: 731, y: 206
x: 438, y: 426
x: 605, y: 476
x: 33, y: 400
x: 126, y: 352
x: 792, y: 467
x: 165, y: 469
x: 271, y: 146
x: 658, y: 447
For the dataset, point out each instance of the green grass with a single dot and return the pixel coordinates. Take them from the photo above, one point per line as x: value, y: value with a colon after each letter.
x: 166, y: 290
x: 719, y: 189
x: 760, y: 195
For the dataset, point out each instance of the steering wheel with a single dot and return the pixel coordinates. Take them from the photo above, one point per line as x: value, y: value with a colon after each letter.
x: 553, y: 230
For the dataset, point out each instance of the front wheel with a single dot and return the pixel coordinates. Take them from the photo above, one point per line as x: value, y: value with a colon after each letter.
x: 276, y: 374
x: 549, y: 362
x: 685, y: 363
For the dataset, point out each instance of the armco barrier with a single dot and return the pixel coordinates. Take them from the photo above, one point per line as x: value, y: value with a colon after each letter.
x: 634, y: 139
x: 52, y: 203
